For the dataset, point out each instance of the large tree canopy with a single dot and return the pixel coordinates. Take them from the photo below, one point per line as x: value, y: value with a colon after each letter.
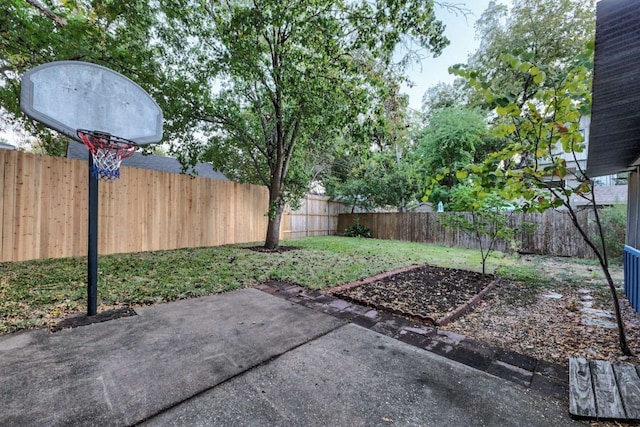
x: 118, y: 35
x: 454, y: 137
x: 291, y: 77
x: 548, y: 32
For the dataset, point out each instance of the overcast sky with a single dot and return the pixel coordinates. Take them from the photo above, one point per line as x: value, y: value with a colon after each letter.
x: 460, y: 31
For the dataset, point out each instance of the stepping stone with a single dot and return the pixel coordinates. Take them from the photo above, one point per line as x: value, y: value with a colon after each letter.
x: 599, y: 313
x: 590, y: 321
x: 552, y: 295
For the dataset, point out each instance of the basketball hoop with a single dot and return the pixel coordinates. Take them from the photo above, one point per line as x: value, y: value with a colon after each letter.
x: 108, y: 152
x: 50, y: 94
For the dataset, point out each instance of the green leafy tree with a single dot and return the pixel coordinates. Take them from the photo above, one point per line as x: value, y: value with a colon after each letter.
x: 539, y: 168
x: 546, y: 32
x: 444, y: 95
x: 375, y: 167
x: 118, y: 35
x: 373, y: 179
x: 450, y: 140
x: 293, y: 76
x: 345, y: 179
x: 483, y: 216
x: 395, y: 182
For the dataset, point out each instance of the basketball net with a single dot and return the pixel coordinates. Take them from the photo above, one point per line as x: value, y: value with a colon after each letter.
x: 108, y: 152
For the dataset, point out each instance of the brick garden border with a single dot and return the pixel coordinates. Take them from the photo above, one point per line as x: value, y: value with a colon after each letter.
x: 467, y: 306
x: 368, y: 280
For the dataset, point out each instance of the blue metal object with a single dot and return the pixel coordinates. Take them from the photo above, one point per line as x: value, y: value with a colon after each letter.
x: 632, y: 276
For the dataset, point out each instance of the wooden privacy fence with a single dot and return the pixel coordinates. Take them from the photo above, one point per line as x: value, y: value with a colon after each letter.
x: 44, y: 210
x: 554, y: 233
x: 317, y: 216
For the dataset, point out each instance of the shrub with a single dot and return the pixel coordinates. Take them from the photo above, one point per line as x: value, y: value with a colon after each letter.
x: 357, y: 230
x: 614, y: 230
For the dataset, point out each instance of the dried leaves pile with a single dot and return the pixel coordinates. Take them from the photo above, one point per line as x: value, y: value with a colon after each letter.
x: 569, y: 316
x: 553, y: 327
x: 427, y: 291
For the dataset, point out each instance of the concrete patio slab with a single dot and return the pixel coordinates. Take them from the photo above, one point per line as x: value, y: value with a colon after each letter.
x: 123, y: 371
x: 356, y: 377
x: 249, y: 358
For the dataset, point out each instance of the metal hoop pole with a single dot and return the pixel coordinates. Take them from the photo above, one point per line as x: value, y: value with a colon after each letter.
x: 92, y: 244
x: 106, y: 152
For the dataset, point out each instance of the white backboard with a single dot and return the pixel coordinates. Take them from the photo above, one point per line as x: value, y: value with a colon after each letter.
x: 71, y: 95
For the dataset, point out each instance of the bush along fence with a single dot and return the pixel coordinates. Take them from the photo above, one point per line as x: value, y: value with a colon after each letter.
x: 552, y: 234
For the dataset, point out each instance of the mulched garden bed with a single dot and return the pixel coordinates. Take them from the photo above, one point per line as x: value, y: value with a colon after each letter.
x: 424, y: 292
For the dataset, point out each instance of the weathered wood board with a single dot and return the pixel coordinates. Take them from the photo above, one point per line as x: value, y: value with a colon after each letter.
x: 608, y: 400
x: 629, y: 386
x: 605, y: 391
x: 581, y: 396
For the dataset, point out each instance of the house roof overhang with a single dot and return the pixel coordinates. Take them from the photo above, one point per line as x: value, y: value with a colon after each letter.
x: 614, y: 141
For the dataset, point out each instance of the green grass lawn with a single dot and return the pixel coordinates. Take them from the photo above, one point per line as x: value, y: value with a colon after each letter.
x: 34, y: 291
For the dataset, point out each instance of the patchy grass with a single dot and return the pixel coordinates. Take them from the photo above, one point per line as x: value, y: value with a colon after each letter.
x: 534, y: 274
x: 527, y: 283
x: 34, y: 292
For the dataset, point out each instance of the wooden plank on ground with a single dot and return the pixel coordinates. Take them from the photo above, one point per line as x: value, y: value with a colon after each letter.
x: 608, y: 401
x: 629, y: 386
x: 581, y: 398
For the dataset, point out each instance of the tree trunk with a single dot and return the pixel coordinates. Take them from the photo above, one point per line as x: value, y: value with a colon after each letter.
x: 604, y: 264
x: 273, y: 230
x: 624, y: 347
x: 276, y: 207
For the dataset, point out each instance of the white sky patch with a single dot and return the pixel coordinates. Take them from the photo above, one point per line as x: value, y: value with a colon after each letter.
x: 460, y: 31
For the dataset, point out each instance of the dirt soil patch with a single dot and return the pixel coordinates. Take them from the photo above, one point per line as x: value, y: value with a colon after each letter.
x: 426, y: 292
x: 79, y: 319
x: 547, y: 322
x: 278, y: 250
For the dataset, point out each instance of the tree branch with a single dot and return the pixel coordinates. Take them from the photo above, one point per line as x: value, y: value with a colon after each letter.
x: 46, y: 12
x: 289, y: 149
